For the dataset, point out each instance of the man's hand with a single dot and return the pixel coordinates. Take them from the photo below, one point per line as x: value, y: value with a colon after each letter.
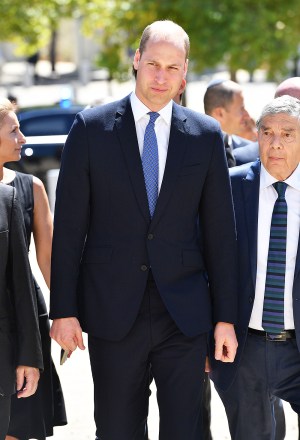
x: 67, y: 333
x: 225, y: 342
x: 30, y: 376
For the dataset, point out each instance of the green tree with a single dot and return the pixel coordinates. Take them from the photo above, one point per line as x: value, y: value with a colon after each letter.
x: 31, y: 23
x: 242, y: 33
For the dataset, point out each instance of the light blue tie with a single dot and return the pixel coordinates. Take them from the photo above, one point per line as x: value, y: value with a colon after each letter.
x: 273, y: 310
x: 150, y: 162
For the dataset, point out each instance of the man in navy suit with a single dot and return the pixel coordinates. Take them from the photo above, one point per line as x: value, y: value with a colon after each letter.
x: 145, y: 285
x: 267, y: 362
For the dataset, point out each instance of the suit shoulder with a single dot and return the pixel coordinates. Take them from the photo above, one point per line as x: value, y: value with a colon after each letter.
x: 249, y: 172
x: 201, y: 117
x: 240, y: 172
x: 104, y: 112
x: 99, y: 110
x: 239, y: 142
x: 196, y: 119
x: 246, y: 153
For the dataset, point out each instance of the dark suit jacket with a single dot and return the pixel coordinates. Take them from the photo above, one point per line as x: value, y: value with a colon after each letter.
x: 19, y: 332
x: 105, y: 242
x: 238, y: 141
x: 246, y: 153
x: 245, y: 181
x: 240, y: 150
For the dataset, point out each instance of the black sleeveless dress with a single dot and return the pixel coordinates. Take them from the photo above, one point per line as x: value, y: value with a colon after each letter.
x: 34, y: 417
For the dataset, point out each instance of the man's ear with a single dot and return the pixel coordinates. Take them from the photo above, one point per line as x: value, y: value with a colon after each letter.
x: 182, y: 87
x: 136, y: 59
x: 218, y: 113
x: 186, y: 65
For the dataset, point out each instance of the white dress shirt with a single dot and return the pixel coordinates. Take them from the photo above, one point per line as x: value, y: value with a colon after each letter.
x: 162, y: 130
x: 267, y: 198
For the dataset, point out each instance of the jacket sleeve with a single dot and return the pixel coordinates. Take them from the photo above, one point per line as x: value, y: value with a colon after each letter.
x: 218, y: 222
x: 71, y: 219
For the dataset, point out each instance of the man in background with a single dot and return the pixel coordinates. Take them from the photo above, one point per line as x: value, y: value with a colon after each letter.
x: 224, y: 101
x: 290, y: 86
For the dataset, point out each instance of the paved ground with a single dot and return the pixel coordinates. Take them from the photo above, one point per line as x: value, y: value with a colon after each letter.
x: 75, y: 373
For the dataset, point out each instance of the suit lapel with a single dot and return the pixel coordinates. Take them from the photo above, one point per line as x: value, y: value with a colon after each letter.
x: 176, y: 151
x: 251, y: 197
x: 126, y: 133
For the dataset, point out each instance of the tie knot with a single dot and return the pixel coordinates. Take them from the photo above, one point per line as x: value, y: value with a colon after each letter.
x: 280, y: 188
x: 153, y: 117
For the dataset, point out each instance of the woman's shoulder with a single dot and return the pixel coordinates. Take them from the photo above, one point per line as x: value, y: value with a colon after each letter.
x: 24, y: 177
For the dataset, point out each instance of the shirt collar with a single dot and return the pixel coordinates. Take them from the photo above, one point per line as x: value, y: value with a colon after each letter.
x: 267, y: 180
x: 140, y: 110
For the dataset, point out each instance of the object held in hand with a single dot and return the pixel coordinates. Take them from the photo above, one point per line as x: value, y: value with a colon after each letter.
x: 63, y: 356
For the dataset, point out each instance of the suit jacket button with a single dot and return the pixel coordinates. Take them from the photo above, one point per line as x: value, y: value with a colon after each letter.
x: 150, y: 236
x: 144, y: 267
x: 250, y: 299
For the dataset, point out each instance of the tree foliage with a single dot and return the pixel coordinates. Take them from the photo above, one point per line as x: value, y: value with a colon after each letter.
x: 29, y: 23
x: 244, y: 34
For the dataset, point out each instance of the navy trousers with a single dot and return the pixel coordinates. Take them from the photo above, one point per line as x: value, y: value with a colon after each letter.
x: 121, y: 372
x: 267, y: 369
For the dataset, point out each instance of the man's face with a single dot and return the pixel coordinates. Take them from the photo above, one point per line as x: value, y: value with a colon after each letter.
x: 279, y: 144
x: 11, y: 139
x: 234, y: 115
x: 160, y: 71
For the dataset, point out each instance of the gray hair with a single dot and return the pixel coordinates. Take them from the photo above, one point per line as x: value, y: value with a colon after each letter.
x: 284, y: 104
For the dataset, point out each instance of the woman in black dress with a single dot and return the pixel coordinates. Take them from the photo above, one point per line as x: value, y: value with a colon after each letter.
x: 35, y: 416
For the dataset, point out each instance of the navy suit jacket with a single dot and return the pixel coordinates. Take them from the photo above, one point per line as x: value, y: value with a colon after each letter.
x: 246, y: 153
x: 105, y: 241
x: 238, y: 141
x: 245, y: 181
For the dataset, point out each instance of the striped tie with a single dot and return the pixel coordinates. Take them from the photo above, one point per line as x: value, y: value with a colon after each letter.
x: 273, y: 311
x: 150, y: 162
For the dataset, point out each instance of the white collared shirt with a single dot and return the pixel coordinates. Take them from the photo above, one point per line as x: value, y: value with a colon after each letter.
x: 162, y: 130
x: 267, y: 198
